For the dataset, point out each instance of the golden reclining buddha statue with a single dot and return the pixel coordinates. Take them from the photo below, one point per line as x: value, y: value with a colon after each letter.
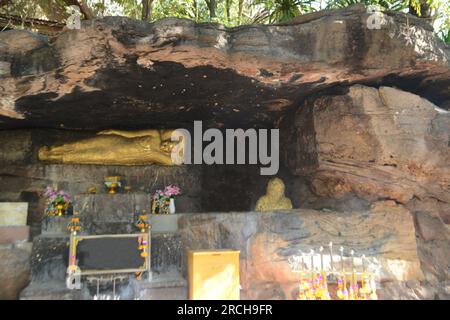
x: 115, y: 147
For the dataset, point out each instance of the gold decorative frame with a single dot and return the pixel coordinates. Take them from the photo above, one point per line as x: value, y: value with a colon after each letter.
x: 74, y: 239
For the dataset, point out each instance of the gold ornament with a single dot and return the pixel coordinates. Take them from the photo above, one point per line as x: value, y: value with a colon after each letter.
x: 112, y: 184
x: 92, y: 190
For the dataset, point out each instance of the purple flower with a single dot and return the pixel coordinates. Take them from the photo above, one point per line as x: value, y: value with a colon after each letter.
x: 53, y: 195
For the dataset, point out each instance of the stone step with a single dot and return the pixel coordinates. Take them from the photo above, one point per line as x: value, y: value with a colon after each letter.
x: 49, y: 257
x: 164, y: 222
x: 168, y: 285
x: 112, y: 214
x: 12, y: 234
x: 52, y: 290
x: 174, y: 293
x: 99, y: 221
x: 168, y: 279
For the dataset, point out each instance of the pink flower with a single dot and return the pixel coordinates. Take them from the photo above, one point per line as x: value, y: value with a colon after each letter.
x: 168, y: 192
x: 50, y: 193
x: 64, y: 195
x: 171, y: 191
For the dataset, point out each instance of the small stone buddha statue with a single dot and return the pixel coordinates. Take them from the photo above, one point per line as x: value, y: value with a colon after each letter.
x: 274, y: 198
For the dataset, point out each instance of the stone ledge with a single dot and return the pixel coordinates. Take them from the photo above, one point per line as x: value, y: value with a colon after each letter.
x: 14, y: 272
x: 13, y: 213
x: 52, y: 290
x: 14, y: 234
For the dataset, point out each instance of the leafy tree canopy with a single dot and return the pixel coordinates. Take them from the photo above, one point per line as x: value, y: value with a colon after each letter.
x: 228, y: 12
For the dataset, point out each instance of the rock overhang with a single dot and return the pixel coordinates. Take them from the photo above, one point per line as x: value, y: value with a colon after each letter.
x: 118, y: 72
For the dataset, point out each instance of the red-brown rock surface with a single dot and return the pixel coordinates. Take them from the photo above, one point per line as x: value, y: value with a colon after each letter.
x: 385, y: 234
x: 341, y: 93
x: 121, y: 72
x: 376, y: 143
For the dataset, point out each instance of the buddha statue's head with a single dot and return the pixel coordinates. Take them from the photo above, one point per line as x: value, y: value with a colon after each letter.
x: 275, y: 189
x: 167, y: 146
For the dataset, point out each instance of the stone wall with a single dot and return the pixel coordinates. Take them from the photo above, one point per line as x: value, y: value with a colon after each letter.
x: 14, y: 272
x: 373, y: 143
x: 385, y: 234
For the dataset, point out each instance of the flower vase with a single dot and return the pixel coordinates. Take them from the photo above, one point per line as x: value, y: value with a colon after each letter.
x: 172, y: 206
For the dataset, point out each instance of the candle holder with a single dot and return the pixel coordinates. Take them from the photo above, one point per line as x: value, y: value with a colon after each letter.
x: 315, y: 276
x: 112, y: 184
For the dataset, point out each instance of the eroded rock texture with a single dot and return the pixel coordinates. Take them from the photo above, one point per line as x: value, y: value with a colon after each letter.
x: 379, y: 144
x: 120, y: 72
x: 376, y: 143
x: 15, y: 272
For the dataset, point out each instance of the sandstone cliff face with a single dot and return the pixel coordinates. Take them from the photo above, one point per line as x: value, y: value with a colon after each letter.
x: 173, y: 71
x: 363, y: 118
x: 377, y: 143
x: 380, y: 144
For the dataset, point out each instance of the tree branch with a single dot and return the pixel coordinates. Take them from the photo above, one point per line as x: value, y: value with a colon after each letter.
x: 147, y: 10
x: 84, y: 8
x: 211, y: 4
x: 43, y: 26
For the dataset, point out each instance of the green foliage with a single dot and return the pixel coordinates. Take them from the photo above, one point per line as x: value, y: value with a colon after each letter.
x: 283, y: 10
x: 131, y: 8
x: 396, y: 5
x: 229, y: 12
x: 195, y: 10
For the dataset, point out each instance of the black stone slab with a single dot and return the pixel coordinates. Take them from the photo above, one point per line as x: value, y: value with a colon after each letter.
x: 109, y: 254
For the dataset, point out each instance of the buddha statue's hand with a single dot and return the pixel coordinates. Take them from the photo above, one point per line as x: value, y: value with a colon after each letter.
x: 131, y: 134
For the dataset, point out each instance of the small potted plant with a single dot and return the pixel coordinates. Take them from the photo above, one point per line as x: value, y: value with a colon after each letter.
x: 58, y: 202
